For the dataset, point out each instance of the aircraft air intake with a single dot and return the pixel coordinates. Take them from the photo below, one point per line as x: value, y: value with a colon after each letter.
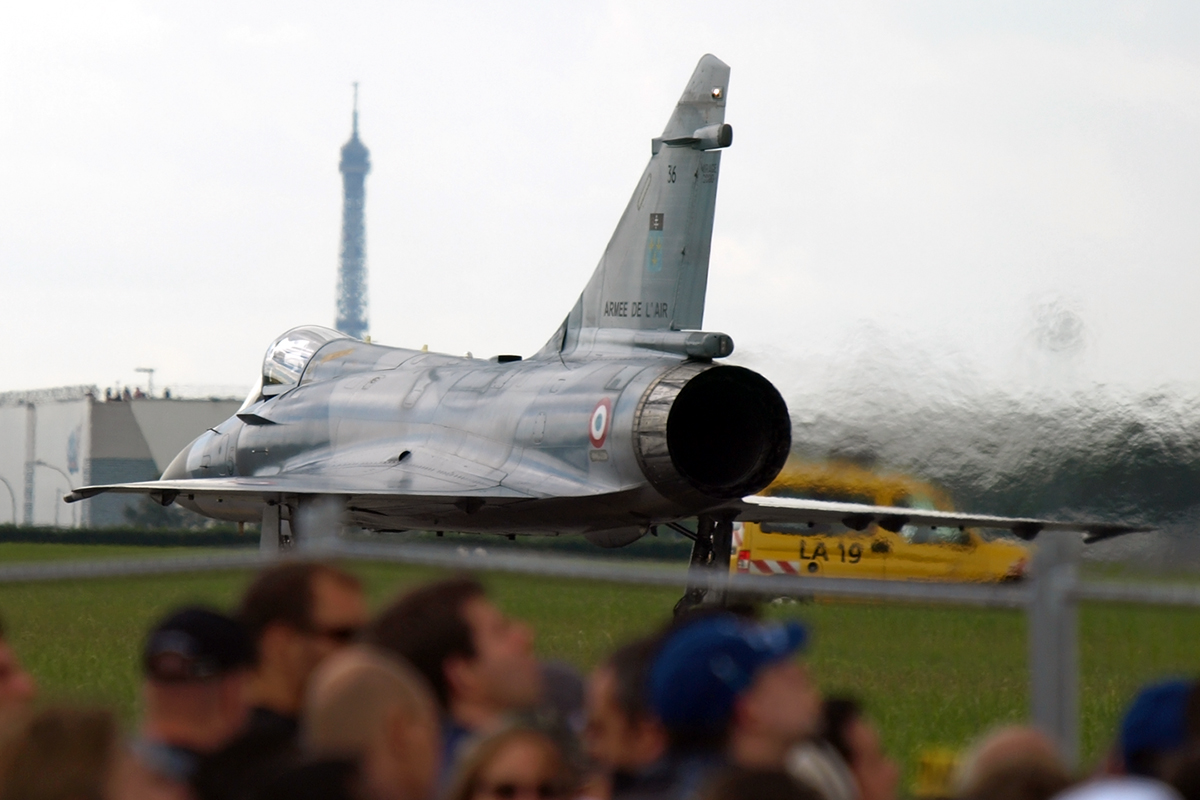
x: 720, y: 432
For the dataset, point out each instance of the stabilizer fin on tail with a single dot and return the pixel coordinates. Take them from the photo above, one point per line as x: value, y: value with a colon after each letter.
x: 654, y: 272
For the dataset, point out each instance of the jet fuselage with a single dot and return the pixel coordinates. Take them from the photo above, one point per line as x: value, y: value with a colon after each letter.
x: 627, y: 441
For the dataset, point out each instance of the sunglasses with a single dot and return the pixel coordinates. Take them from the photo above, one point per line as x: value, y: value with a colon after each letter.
x: 511, y: 791
x: 344, y: 635
x: 169, y: 665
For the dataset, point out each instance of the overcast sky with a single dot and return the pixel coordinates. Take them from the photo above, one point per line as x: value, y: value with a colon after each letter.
x: 1011, y: 190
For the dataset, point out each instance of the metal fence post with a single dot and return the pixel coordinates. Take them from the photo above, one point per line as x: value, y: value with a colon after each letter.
x: 1054, y: 640
x: 268, y: 538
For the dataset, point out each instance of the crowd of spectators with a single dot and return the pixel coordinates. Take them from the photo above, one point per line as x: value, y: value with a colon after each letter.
x: 120, y: 394
x: 300, y: 694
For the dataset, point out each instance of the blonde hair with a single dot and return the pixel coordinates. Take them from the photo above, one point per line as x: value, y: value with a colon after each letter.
x: 481, y: 754
x: 352, y: 694
x: 60, y: 754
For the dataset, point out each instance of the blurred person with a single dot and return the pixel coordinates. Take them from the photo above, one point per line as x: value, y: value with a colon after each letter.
x: 376, y: 711
x: 729, y: 692
x: 856, y: 740
x: 622, y: 735
x: 76, y: 754
x: 196, y: 664
x: 818, y: 766
x: 478, y: 661
x: 1120, y: 787
x: 735, y: 685
x: 1017, y: 762
x: 1155, y: 729
x: 1184, y: 772
x: 736, y: 783
x: 319, y: 779
x: 516, y: 763
x: 297, y: 614
x: 17, y: 687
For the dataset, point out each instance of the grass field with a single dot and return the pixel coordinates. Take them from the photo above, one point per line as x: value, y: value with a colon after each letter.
x: 931, y: 676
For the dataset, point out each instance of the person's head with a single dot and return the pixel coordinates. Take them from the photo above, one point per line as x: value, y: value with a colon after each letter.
x: 478, y: 660
x: 514, y: 764
x: 1184, y: 772
x: 74, y: 754
x: 1156, y: 727
x: 1119, y: 787
x: 725, y: 682
x: 738, y: 783
x: 297, y: 614
x: 1014, y: 762
x: 857, y: 740
x: 375, y: 710
x: 195, y: 662
x: 622, y: 733
x: 16, y: 685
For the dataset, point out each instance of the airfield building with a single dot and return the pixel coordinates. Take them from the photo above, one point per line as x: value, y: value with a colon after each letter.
x: 55, y: 440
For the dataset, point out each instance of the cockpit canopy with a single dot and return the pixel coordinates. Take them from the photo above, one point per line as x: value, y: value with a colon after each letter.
x: 288, y: 355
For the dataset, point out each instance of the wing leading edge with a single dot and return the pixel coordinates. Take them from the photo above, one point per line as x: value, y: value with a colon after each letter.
x: 293, y: 484
x: 857, y: 516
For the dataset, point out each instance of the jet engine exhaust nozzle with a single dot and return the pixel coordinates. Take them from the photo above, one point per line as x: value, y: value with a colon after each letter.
x: 718, y: 431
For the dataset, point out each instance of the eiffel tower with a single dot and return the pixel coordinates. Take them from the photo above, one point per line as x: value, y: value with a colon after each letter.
x: 352, y: 270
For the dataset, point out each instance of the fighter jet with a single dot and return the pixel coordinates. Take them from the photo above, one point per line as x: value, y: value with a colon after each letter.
x: 625, y: 420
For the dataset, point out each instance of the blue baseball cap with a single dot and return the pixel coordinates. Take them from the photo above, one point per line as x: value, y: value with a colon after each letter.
x: 702, y: 668
x: 1156, y: 722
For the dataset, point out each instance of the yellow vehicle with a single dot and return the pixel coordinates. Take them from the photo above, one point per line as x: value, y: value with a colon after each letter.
x: 951, y: 554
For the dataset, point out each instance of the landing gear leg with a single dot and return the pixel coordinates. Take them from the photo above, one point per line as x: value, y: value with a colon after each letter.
x: 722, y: 551
x: 272, y: 539
x: 711, y: 550
x: 698, y: 567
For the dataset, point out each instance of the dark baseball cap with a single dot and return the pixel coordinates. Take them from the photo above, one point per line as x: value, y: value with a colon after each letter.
x: 1156, y: 721
x: 196, y: 643
x: 702, y: 668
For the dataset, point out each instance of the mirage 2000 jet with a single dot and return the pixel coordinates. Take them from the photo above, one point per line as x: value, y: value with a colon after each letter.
x: 625, y: 420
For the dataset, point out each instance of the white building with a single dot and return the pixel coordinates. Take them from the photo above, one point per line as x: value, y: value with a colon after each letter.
x: 55, y: 440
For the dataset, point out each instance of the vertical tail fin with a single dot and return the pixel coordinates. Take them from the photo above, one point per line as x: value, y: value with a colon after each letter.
x: 654, y: 272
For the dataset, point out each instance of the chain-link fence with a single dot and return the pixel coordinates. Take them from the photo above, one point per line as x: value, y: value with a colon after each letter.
x: 1049, y: 597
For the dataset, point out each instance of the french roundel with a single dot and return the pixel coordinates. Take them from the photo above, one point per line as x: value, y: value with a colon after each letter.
x: 598, y: 425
